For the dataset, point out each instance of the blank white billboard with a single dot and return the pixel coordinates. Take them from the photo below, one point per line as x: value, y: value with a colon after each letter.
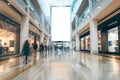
x: 60, y: 24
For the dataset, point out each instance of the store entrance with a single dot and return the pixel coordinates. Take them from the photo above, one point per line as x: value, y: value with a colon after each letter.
x: 113, y: 44
x: 7, y: 42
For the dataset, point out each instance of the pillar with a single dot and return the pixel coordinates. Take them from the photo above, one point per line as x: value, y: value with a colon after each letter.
x: 24, y: 29
x: 71, y: 46
x: 104, y: 40
x: 77, y: 42
x: 90, y: 4
x: 119, y: 35
x: 47, y: 41
x: 42, y: 37
x: 76, y: 21
x: 94, y: 36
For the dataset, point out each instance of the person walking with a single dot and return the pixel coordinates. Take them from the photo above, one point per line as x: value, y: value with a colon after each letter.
x: 26, y: 50
x: 41, y: 50
x: 35, y: 46
x: 0, y: 49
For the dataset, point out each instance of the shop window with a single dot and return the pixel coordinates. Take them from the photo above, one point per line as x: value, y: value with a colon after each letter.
x: 113, y: 45
x: 7, y: 42
x: 99, y: 41
x: 87, y: 42
x: 32, y: 37
x: 83, y: 43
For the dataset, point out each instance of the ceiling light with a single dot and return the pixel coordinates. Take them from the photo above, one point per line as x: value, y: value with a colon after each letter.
x: 8, y: 3
x: 99, y: 7
x: 88, y: 16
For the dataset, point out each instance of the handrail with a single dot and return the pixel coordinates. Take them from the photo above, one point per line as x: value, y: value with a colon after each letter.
x: 84, y: 14
x: 73, y: 5
x: 22, y: 4
x: 94, y: 2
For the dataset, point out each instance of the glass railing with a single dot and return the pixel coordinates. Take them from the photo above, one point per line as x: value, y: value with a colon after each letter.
x: 94, y: 2
x: 22, y: 4
x: 34, y: 11
x: 73, y: 5
x: 81, y: 18
x: 32, y: 15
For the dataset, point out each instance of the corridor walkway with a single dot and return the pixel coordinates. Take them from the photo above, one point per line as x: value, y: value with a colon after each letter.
x: 63, y: 65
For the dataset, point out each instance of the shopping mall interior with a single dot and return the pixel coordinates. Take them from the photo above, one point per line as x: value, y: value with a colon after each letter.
x: 59, y: 39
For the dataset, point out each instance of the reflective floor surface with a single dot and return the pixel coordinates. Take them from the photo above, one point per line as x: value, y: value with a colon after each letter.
x: 62, y: 65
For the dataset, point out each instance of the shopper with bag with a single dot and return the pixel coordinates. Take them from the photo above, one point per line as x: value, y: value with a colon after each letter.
x: 26, y: 50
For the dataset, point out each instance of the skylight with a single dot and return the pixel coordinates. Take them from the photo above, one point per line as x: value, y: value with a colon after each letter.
x: 59, y: 2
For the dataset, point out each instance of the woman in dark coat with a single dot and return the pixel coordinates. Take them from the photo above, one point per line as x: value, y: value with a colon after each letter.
x: 41, y: 50
x: 26, y: 50
x: 35, y: 46
x: 0, y: 49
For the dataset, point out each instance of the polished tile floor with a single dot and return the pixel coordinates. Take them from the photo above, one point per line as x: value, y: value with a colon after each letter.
x: 62, y: 65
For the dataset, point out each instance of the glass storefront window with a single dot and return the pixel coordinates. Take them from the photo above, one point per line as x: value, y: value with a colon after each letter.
x: 83, y: 43
x: 87, y: 42
x: 7, y: 42
x: 99, y: 40
x: 113, y: 45
x: 38, y: 42
x: 32, y: 39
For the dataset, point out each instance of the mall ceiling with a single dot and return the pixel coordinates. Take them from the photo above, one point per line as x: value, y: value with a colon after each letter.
x: 59, y: 2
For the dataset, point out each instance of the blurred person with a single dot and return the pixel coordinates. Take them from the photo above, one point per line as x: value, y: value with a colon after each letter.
x: 26, y: 50
x: 0, y: 49
x: 41, y: 50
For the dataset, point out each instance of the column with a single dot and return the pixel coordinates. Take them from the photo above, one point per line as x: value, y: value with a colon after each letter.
x: 24, y: 30
x: 47, y: 41
x: 104, y: 38
x: 90, y: 5
x: 119, y: 35
x: 71, y: 47
x: 94, y: 36
x: 77, y: 42
x: 42, y: 37
x: 76, y: 21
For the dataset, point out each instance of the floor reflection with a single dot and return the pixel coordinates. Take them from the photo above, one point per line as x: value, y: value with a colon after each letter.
x: 63, y: 65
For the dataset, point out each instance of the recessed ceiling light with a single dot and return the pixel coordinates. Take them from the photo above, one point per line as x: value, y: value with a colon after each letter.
x: 8, y: 3
x: 98, y: 7
x: 88, y: 16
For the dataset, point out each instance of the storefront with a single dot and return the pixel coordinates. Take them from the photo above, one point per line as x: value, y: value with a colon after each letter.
x: 110, y: 35
x: 85, y: 41
x: 9, y: 37
x: 34, y: 35
x: 99, y: 41
x: 113, y: 45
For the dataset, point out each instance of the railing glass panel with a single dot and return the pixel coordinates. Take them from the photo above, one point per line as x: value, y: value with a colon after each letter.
x: 22, y: 4
x: 94, y: 2
x: 34, y: 14
x: 81, y: 18
x: 73, y: 5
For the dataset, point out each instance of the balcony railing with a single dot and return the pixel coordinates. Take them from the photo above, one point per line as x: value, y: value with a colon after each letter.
x: 81, y: 18
x: 94, y: 2
x: 34, y: 11
x: 73, y: 5
x: 22, y: 4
